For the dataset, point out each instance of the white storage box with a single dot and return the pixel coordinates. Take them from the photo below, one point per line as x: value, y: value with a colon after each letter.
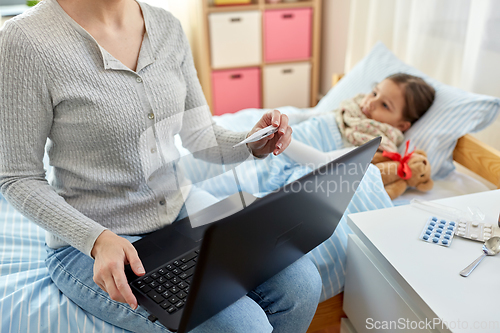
x: 235, y: 39
x: 288, y: 84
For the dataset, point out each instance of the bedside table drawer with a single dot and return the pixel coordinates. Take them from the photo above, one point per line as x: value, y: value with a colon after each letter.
x: 373, y: 298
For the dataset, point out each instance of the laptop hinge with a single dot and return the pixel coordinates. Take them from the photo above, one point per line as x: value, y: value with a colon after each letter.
x: 239, y: 188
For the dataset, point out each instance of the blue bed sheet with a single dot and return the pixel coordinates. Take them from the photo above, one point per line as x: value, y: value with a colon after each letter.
x: 30, y: 302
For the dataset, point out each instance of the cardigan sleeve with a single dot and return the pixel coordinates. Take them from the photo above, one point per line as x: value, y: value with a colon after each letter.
x: 26, y: 115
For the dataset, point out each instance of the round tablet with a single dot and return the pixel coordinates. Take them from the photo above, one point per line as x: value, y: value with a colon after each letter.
x: 439, y: 230
x: 434, y: 219
x: 447, y: 236
x: 487, y: 225
x: 426, y: 237
x: 440, y: 227
x: 430, y: 228
x: 462, y: 224
x: 461, y: 233
x: 486, y: 229
x: 449, y: 232
x: 452, y: 223
x: 435, y: 240
x: 450, y: 228
x: 445, y: 241
x: 461, y: 229
x: 437, y: 235
x: 487, y: 235
x: 428, y: 232
x: 475, y: 224
x: 474, y: 236
x: 432, y: 223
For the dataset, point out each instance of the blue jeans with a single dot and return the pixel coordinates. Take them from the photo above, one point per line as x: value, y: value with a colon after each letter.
x: 285, y: 303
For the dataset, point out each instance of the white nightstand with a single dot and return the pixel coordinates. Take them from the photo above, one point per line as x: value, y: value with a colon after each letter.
x: 394, y: 278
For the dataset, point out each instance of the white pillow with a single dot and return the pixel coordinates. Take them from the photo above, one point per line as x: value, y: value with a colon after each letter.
x: 453, y: 114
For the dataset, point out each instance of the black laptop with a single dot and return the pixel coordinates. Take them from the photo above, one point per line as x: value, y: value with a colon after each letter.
x: 194, y: 273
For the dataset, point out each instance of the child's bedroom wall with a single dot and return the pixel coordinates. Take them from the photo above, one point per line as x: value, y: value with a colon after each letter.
x: 333, y: 40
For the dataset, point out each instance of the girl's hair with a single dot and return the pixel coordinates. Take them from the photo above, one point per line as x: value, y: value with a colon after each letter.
x: 418, y: 94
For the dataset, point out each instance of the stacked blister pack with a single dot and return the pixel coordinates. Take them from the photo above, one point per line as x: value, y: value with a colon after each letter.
x: 441, y: 231
x: 466, y: 224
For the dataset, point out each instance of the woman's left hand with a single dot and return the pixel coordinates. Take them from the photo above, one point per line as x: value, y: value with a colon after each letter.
x: 275, y: 143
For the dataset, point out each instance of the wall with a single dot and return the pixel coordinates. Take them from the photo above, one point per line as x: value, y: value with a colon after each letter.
x: 334, y: 40
x: 2, y: 20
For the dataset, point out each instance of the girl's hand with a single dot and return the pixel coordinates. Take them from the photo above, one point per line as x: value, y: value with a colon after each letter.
x: 111, y: 253
x: 275, y: 143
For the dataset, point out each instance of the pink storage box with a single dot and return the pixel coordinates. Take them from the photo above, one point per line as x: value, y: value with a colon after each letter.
x: 235, y: 89
x: 287, y: 34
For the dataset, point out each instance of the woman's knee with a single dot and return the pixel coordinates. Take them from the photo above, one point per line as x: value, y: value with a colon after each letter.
x: 241, y: 317
x: 296, y: 287
x: 306, y: 281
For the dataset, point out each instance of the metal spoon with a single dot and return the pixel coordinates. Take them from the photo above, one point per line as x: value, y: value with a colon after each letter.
x: 490, y: 248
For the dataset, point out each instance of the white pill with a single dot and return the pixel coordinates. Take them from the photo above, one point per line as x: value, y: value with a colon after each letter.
x: 473, y: 236
x: 461, y: 233
x: 487, y: 229
x: 461, y: 229
x: 487, y: 226
x: 462, y: 224
x: 475, y: 224
x: 486, y: 236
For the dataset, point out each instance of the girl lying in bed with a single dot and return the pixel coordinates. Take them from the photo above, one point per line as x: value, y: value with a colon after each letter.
x: 388, y: 111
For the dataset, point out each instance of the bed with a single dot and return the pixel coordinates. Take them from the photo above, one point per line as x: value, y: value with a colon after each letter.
x: 30, y: 301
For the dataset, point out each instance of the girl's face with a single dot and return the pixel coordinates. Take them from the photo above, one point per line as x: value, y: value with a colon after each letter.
x: 385, y: 104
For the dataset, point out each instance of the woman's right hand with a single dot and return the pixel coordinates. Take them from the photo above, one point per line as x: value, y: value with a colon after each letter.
x: 111, y: 253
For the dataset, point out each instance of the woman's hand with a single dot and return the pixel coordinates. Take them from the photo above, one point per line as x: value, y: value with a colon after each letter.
x: 275, y: 143
x: 111, y: 253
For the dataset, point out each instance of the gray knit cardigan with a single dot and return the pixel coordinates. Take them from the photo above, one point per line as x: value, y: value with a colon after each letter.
x: 109, y: 130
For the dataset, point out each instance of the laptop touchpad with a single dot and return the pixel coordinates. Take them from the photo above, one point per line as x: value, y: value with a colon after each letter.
x: 146, y: 248
x: 184, y: 227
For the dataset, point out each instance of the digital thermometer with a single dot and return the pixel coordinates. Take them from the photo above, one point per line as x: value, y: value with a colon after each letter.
x: 260, y: 134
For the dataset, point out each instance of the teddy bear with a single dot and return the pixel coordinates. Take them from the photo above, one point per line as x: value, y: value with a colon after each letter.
x: 399, y: 173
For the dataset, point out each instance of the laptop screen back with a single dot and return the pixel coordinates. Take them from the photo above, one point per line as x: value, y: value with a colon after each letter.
x: 242, y: 251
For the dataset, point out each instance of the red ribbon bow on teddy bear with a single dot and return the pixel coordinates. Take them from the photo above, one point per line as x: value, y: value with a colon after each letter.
x: 404, y: 170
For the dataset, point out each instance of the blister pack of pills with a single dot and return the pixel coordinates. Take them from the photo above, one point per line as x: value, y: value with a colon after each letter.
x: 438, y: 231
x: 475, y: 231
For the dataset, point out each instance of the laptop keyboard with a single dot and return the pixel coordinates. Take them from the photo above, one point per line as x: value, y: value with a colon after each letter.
x: 168, y: 285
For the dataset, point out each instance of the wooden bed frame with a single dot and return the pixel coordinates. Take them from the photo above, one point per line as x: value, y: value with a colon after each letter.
x: 471, y: 153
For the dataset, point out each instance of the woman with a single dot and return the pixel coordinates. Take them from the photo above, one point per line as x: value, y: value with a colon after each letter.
x: 110, y: 83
